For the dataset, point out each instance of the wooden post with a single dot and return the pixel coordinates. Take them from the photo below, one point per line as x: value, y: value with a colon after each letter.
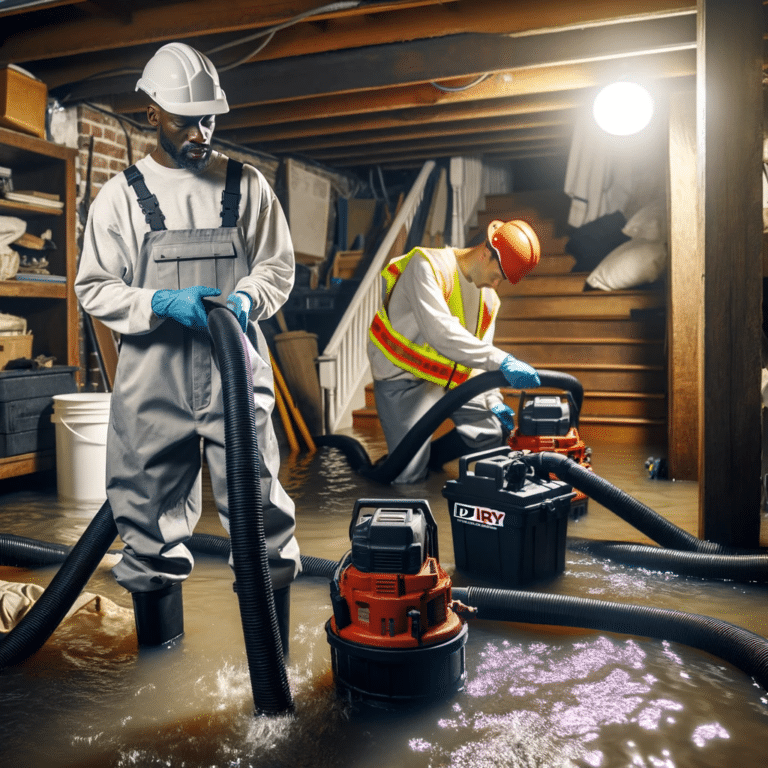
x: 685, y: 291
x: 729, y: 137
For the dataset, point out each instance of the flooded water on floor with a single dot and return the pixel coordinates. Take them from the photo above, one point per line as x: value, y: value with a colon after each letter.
x: 535, y: 696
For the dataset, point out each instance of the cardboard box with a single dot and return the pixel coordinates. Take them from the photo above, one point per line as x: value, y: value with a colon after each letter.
x: 14, y: 346
x: 23, y: 101
x: 345, y: 264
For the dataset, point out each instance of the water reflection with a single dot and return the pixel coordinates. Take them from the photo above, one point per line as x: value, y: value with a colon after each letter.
x: 535, y: 696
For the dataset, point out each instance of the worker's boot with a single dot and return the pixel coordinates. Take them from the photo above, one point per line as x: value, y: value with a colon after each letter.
x: 159, y: 615
x: 446, y: 448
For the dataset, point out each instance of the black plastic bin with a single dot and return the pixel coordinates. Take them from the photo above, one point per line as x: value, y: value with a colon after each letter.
x: 26, y: 405
x: 509, y: 526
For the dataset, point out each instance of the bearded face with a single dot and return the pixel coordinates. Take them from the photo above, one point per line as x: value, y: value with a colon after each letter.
x: 183, y: 141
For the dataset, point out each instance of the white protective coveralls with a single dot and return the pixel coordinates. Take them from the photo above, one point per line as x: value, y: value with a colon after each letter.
x: 418, y: 310
x: 167, y: 398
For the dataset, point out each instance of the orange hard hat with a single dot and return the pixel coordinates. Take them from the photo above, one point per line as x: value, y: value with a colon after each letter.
x: 516, y: 246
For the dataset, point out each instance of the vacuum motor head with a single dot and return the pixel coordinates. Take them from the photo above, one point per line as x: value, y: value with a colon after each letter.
x: 391, y: 540
x: 549, y: 423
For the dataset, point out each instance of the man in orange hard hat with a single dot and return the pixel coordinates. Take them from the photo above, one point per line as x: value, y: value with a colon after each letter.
x: 434, y: 328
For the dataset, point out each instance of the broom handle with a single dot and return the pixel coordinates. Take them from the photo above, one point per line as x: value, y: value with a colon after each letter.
x: 294, y: 411
x: 286, y: 420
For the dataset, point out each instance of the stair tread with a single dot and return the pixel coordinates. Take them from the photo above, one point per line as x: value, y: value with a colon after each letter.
x: 587, y: 419
x: 626, y: 395
x: 552, y: 366
x: 573, y: 340
x: 598, y: 295
x: 596, y: 318
x: 592, y: 394
x: 584, y: 418
x: 587, y: 393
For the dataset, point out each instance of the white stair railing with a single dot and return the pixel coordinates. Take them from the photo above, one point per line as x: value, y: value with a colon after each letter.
x: 344, y: 361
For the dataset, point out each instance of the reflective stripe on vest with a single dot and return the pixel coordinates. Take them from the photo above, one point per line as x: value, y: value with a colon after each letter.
x: 422, y: 360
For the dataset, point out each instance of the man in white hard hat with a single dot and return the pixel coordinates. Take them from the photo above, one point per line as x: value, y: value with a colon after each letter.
x: 434, y: 328
x: 183, y: 223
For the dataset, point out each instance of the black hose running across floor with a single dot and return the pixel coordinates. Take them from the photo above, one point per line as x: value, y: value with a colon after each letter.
x: 30, y: 634
x: 637, y: 514
x: 21, y: 552
x: 395, y: 462
x: 744, y: 568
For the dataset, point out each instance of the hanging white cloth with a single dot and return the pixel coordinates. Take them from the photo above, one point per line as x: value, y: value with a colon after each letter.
x: 599, y: 174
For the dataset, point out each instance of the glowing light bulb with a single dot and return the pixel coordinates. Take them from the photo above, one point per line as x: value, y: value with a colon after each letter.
x: 623, y: 108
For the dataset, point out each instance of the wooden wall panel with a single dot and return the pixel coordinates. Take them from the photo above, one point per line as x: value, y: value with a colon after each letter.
x: 729, y: 128
x: 685, y: 291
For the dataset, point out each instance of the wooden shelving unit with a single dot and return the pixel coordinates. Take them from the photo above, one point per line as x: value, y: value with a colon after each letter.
x: 50, y: 308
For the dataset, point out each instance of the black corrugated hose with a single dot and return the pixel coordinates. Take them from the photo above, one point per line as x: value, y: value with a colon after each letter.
x: 30, y: 634
x: 746, y: 568
x: 21, y: 552
x: 395, y: 462
x: 264, y: 651
x: 30, y: 553
x: 738, y: 646
x: 637, y: 514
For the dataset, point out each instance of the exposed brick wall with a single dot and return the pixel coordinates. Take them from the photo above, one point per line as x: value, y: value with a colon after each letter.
x: 110, y: 147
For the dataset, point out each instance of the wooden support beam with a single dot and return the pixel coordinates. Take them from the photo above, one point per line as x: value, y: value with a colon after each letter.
x: 420, y: 61
x: 216, y: 21
x: 534, y: 89
x: 161, y: 23
x: 685, y: 291
x: 450, y: 144
x: 426, y: 119
x: 729, y: 104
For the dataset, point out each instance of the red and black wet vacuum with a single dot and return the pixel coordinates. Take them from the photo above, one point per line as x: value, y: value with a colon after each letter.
x: 395, y: 635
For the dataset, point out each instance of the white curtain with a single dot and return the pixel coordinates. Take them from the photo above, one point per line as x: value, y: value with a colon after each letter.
x: 598, y: 178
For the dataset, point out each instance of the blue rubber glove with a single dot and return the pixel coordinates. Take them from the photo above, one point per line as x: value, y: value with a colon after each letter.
x: 505, y: 415
x: 185, y: 306
x: 240, y: 304
x: 520, y: 375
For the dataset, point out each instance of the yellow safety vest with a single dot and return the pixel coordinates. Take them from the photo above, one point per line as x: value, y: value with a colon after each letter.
x: 422, y: 360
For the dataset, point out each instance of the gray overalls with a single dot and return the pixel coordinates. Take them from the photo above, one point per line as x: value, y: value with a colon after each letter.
x: 167, y: 408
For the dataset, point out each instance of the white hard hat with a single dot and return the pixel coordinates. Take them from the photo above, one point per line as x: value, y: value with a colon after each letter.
x: 183, y: 81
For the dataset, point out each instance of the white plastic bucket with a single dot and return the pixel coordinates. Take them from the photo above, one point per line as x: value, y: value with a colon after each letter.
x: 81, y: 421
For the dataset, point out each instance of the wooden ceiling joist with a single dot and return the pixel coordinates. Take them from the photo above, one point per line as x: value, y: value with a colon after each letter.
x: 416, y: 157
x: 447, y: 146
x: 428, y: 60
x: 160, y: 22
x: 328, y: 139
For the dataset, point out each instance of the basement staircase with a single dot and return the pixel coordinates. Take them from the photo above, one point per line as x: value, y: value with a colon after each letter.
x: 613, y: 342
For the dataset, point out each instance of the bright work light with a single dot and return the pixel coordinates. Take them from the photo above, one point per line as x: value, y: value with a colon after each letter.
x: 623, y: 108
